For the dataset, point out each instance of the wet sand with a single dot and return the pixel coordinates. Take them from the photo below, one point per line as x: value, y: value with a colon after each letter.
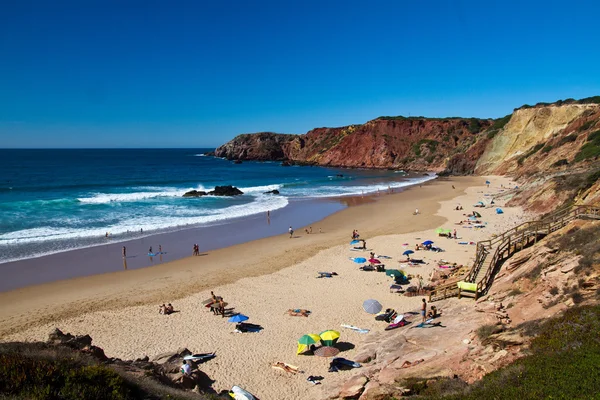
x: 262, y: 279
x: 175, y: 245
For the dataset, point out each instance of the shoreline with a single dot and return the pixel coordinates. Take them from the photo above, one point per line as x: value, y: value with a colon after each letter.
x: 83, y: 294
x: 262, y: 279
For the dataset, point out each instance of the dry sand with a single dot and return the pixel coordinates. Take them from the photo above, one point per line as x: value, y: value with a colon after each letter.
x: 263, y: 279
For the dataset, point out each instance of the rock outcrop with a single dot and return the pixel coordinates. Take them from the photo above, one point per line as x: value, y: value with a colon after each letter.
x: 218, y: 191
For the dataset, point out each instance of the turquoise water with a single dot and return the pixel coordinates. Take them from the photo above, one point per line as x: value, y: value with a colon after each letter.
x: 58, y: 200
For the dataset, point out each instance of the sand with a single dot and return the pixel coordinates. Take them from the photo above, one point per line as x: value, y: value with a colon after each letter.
x: 263, y: 279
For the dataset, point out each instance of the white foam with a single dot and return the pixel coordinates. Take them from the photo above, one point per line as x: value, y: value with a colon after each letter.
x: 149, y: 192
x: 260, y: 189
x: 169, y: 218
x: 353, y: 190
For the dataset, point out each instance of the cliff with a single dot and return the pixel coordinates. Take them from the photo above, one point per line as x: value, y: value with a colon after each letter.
x: 532, y: 140
x: 386, y: 142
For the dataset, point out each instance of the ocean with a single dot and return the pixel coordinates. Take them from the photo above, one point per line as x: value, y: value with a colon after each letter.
x: 58, y: 200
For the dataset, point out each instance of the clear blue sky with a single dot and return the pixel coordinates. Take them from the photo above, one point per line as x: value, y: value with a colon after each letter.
x: 109, y: 73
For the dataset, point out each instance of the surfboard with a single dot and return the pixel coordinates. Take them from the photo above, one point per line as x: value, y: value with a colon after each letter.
x: 200, y: 357
x: 152, y: 254
x: 240, y: 394
x: 355, y: 328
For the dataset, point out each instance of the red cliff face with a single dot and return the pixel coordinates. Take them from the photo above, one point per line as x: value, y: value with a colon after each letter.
x: 397, y: 142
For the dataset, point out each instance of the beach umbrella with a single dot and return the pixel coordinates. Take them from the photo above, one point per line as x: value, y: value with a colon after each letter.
x: 372, y: 306
x: 327, y: 351
x: 238, y: 318
x: 394, y: 272
x: 439, y: 230
x: 355, y: 242
x: 359, y: 260
x: 329, y: 337
x: 306, y: 341
x: 487, y: 182
x: 309, y: 339
x: 374, y: 261
x: 407, y: 252
x: 427, y: 242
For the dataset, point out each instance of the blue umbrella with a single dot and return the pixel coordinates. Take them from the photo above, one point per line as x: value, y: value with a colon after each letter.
x: 238, y: 318
x: 407, y: 252
x: 487, y: 182
x: 359, y: 260
x: 427, y: 242
x: 355, y: 242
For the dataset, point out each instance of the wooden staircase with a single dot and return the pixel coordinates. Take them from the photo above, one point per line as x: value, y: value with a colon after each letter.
x: 491, y: 253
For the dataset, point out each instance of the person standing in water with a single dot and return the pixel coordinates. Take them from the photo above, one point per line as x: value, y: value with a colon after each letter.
x: 150, y: 249
x: 291, y: 231
x: 124, y: 252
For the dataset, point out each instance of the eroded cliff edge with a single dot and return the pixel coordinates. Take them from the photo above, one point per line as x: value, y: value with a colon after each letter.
x: 545, y: 137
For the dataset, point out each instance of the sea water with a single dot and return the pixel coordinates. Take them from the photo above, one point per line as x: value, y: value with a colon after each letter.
x: 58, y: 200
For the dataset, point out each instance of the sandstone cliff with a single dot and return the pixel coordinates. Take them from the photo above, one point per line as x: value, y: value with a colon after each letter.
x: 386, y: 142
x: 546, y: 138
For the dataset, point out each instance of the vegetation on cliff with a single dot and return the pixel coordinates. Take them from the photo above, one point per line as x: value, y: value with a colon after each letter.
x: 38, y: 371
x: 563, y: 363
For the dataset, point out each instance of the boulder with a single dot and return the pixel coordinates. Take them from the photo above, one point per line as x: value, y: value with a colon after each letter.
x: 354, y: 387
x: 225, y: 191
x: 285, y: 164
x: 274, y: 191
x: 237, y: 161
x: 194, y: 193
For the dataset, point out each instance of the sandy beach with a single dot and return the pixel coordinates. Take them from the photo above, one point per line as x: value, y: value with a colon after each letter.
x: 263, y: 279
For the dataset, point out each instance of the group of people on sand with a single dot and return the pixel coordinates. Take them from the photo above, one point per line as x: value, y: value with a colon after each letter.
x: 218, y: 305
x: 166, y: 310
x: 355, y: 235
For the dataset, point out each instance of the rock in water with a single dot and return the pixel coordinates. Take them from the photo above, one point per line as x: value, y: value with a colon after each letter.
x: 226, y: 191
x: 274, y: 191
x: 194, y: 193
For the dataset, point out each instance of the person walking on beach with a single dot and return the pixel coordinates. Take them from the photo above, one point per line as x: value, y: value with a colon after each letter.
x: 124, y: 252
x: 291, y: 231
x: 423, y: 309
x: 150, y: 250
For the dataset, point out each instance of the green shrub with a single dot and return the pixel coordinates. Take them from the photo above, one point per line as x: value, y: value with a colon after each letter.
x: 485, y: 331
x: 554, y: 291
x: 500, y: 122
x: 515, y: 292
x: 586, y: 125
x: 591, y: 148
x: 529, y: 153
x: 547, y: 148
x: 431, y: 145
x: 592, y: 178
x: 474, y: 125
x: 48, y: 379
x: 560, y: 163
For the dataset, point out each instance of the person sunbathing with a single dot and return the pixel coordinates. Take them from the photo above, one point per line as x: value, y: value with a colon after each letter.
x: 407, y: 363
x: 433, y: 313
x: 169, y: 309
x: 298, y: 312
x: 285, y: 367
x: 162, y: 309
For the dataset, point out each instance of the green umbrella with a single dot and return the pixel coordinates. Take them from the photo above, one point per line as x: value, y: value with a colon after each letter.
x: 393, y: 272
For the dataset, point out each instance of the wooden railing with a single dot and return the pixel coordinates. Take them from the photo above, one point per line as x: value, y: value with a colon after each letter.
x: 509, y: 242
